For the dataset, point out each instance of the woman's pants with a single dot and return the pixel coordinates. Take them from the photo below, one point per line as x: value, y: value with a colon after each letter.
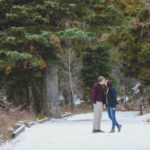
x: 112, y: 116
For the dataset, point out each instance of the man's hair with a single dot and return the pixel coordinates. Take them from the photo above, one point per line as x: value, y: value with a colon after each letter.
x: 100, y: 78
x: 109, y: 83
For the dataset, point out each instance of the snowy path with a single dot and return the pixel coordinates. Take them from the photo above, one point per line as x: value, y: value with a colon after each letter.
x: 75, y: 133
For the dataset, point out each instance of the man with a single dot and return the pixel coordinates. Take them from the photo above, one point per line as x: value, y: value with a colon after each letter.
x: 98, y: 99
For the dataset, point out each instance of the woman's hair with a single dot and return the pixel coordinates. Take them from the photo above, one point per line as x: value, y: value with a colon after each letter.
x: 109, y: 83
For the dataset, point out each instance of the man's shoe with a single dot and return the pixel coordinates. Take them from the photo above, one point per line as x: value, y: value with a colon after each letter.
x: 97, y: 131
x: 112, y: 131
x: 101, y: 131
x: 119, y: 127
x: 94, y: 131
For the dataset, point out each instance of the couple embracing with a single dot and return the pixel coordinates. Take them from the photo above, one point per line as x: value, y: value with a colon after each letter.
x: 101, y: 99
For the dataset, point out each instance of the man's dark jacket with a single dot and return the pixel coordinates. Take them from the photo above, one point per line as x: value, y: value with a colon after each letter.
x: 98, y: 93
x: 111, y: 97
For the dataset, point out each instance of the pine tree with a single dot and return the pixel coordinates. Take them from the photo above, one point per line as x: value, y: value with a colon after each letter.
x: 95, y: 63
x: 133, y: 46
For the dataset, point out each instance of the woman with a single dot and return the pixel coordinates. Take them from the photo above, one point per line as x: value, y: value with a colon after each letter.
x: 111, y: 101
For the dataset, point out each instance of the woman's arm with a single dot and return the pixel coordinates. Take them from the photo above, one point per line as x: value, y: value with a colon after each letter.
x: 114, y: 97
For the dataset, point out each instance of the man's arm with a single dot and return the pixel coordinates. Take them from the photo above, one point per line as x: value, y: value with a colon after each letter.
x: 104, y: 100
x: 93, y: 94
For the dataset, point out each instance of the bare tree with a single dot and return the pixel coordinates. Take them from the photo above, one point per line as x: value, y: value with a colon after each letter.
x: 70, y: 68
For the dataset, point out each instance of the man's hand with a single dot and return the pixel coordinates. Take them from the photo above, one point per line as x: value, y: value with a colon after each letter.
x: 94, y: 103
x: 104, y: 106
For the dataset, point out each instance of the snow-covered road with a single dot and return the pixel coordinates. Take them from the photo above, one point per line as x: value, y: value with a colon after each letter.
x: 75, y: 133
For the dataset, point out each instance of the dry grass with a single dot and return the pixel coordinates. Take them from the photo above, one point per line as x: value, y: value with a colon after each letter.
x: 82, y: 108
x: 9, y: 119
x: 147, y: 110
x: 66, y: 108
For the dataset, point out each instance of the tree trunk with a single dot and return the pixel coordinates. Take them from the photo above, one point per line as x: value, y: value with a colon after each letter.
x: 50, y: 91
x: 36, y: 98
x: 70, y: 80
x: 31, y: 99
x: 141, y: 109
x: 67, y: 94
x: 68, y: 97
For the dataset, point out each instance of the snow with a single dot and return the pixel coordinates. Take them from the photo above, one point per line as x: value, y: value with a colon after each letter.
x: 75, y: 133
x: 125, y: 98
x: 136, y: 88
x: 77, y: 100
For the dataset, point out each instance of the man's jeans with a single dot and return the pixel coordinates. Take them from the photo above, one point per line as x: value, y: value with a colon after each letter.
x: 111, y: 114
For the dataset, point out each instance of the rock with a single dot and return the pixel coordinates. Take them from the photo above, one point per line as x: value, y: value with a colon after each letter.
x: 43, y: 120
x: 17, y: 125
x: 66, y: 114
x: 29, y: 124
x: 18, y: 131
